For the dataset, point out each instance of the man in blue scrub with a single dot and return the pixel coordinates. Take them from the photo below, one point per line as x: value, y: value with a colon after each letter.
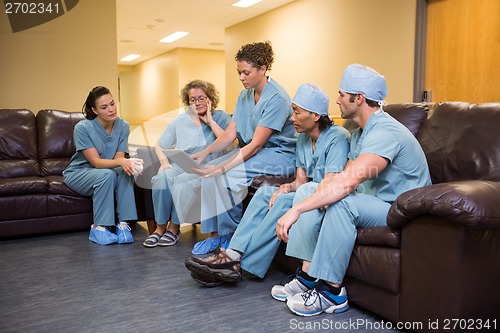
x: 321, y: 151
x: 385, y: 160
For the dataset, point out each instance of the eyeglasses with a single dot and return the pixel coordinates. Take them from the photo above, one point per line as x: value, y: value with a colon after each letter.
x: 200, y: 99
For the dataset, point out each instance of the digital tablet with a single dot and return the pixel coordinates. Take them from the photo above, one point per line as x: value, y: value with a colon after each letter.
x: 182, y: 159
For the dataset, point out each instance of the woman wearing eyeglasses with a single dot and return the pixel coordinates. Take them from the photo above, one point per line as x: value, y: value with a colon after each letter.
x: 191, y: 131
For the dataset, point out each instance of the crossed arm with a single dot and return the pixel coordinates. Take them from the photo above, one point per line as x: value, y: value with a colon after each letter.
x: 118, y: 160
x: 334, y: 188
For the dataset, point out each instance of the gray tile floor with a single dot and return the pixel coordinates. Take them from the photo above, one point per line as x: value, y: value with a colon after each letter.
x: 65, y: 283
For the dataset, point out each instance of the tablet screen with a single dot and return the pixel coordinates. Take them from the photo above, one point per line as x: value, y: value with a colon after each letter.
x: 182, y: 159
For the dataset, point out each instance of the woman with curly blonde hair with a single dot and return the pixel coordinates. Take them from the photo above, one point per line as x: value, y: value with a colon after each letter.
x: 191, y: 132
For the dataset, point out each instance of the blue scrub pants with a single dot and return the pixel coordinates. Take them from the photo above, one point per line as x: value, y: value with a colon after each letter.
x: 255, y: 236
x: 217, y: 201
x: 163, y: 204
x: 326, y: 239
x: 104, y: 185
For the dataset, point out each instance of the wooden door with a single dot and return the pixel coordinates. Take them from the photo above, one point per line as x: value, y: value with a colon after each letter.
x: 463, y: 50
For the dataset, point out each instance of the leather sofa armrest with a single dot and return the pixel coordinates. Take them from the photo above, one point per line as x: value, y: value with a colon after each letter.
x: 379, y: 236
x: 472, y: 204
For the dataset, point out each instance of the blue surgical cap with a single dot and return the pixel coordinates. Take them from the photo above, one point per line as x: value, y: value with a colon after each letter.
x: 311, y: 98
x: 362, y: 79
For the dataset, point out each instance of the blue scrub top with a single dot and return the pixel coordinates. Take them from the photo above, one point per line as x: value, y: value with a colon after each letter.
x: 330, y: 153
x: 272, y: 111
x: 91, y: 134
x: 183, y: 133
x: 386, y: 137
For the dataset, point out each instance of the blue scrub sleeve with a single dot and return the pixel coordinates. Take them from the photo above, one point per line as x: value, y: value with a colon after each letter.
x: 300, y: 159
x: 275, y: 113
x: 336, y: 154
x: 123, y: 141
x: 222, y: 119
x: 382, y: 143
x: 82, y: 137
x: 167, y: 138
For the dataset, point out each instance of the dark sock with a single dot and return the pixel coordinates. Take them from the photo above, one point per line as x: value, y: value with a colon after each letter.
x: 304, y: 275
x: 322, y: 285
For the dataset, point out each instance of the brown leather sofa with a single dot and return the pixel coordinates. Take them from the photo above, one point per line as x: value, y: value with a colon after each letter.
x: 436, y: 267
x: 34, y: 150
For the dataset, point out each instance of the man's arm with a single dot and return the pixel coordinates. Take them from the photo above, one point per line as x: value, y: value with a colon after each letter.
x: 333, y: 189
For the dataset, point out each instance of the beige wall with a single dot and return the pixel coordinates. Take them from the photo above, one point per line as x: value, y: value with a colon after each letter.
x: 150, y: 91
x: 315, y: 39
x: 55, y: 65
x: 152, y: 87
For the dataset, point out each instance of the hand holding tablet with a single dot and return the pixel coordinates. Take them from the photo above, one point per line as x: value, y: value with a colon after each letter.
x: 182, y: 159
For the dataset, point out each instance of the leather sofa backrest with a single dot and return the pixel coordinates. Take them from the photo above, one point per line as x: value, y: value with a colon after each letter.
x: 462, y: 141
x: 55, y: 139
x: 412, y: 115
x: 18, y: 144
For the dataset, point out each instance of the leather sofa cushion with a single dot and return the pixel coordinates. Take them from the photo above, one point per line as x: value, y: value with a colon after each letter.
x: 412, y: 115
x: 459, y: 144
x: 270, y: 181
x: 18, y: 144
x: 22, y: 207
x: 64, y: 205
x: 56, y: 186
x: 55, y: 139
x: 23, y: 186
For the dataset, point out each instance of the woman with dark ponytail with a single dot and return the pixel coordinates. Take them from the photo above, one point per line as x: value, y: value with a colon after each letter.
x: 100, y: 169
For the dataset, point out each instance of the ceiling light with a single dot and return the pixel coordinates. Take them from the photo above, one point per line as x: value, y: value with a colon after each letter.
x: 245, y: 3
x: 173, y: 37
x: 130, y: 57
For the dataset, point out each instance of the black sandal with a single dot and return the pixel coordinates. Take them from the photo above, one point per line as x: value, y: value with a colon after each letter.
x: 152, y: 240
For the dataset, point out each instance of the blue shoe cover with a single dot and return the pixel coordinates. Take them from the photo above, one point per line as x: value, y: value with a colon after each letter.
x: 102, y: 236
x: 207, y: 245
x: 225, y: 240
x: 123, y: 233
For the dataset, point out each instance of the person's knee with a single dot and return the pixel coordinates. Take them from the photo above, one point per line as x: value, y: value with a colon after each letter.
x: 265, y: 191
x: 107, y: 174
x: 157, y: 182
x: 188, y: 180
x: 304, y: 191
x: 284, y: 200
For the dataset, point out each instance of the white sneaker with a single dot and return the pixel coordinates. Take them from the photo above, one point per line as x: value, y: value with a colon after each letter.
x: 317, y: 300
x: 293, y: 285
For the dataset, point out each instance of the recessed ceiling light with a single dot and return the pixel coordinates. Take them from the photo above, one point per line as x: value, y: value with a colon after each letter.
x: 130, y: 57
x: 173, y: 37
x: 245, y: 3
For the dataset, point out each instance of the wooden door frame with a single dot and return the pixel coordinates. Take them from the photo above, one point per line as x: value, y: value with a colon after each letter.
x: 420, y: 49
